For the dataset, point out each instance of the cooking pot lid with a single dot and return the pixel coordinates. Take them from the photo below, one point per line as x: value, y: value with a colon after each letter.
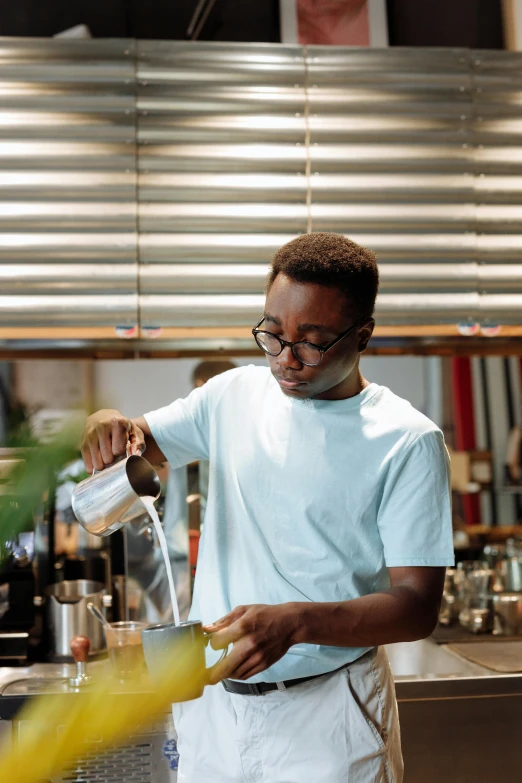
x: 73, y: 590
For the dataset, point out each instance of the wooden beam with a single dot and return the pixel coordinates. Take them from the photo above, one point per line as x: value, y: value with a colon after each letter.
x: 497, y: 533
x: 227, y: 332
x: 512, y: 24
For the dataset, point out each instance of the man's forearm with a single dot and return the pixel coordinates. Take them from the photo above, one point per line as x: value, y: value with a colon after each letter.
x: 261, y: 634
x: 395, y: 615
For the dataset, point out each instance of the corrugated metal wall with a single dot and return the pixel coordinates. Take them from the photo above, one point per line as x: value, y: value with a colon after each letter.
x: 392, y: 163
x: 68, y: 211
x: 411, y: 152
x: 223, y: 176
x: 185, y: 165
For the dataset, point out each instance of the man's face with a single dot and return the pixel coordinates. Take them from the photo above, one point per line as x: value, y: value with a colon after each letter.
x: 316, y: 313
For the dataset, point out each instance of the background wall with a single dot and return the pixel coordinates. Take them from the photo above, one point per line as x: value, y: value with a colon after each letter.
x: 61, y: 385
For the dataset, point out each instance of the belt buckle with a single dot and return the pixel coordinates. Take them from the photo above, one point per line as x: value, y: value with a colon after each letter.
x: 254, y: 689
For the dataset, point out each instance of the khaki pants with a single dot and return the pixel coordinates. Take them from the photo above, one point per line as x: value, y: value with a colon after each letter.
x: 339, y: 728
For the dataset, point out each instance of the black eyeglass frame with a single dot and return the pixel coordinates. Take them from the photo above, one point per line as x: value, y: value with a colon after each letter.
x: 322, y: 349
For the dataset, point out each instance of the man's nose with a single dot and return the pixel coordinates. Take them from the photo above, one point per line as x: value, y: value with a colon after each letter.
x: 287, y: 359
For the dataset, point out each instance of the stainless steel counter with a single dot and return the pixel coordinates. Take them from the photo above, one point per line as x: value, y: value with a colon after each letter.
x: 426, y: 659
x: 34, y: 679
x: 460, y: 722
x: 410, y: 661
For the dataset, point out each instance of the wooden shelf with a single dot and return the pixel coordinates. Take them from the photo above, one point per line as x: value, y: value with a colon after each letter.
x: 497, y: 533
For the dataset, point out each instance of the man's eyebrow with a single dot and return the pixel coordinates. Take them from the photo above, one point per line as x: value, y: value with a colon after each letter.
x: 301, y: 327
x: 314, y: 328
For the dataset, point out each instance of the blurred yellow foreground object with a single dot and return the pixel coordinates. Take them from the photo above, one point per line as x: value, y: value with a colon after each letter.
x: 108, y: 710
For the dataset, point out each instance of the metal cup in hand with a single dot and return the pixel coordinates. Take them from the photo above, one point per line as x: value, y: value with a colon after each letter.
x: 109, y: 498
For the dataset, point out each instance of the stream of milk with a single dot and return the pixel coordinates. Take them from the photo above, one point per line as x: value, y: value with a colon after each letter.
x: 149, y: 505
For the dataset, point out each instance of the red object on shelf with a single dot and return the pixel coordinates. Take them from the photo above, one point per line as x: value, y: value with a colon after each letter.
x: 464, y: 421
x: 194, y: 536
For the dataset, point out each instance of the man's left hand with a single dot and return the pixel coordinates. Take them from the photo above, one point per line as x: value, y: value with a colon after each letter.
x: 261, y: 635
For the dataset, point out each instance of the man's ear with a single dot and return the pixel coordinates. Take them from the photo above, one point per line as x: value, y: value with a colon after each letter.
x: 365, y: 333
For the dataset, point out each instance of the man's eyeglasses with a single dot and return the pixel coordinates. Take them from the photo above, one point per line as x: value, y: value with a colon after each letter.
x: 305, y: 352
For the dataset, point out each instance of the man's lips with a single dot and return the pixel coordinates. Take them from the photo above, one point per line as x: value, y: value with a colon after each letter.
x: 287, y: 384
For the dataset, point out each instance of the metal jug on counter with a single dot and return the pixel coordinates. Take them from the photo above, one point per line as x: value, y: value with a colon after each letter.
x: 508, y: 614
x: 510, y: 571
x: 109, y: 498
x: 68, y: 616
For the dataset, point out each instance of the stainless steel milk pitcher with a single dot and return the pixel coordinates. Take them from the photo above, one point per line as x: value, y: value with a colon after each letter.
x: 109, y: 498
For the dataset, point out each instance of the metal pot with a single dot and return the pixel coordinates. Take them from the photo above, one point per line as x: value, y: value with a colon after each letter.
x: 68, y: 615
x: 450, y: 605
x: 494, y: 554
x: 508, y: 614
x: 511, y: 574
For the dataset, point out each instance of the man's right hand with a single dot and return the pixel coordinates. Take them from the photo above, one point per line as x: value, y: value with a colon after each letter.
x: 106, y: 436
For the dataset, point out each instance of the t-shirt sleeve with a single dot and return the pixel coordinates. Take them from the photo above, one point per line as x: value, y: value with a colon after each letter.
x: 181, y: 429
x: 415, y: 512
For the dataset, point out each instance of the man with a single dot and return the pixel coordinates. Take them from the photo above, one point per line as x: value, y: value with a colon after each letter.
x: 327, y: 532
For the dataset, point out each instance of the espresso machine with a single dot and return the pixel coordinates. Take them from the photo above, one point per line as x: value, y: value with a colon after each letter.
x: 48, y: 572
x: 17, y: 591
x: 20, y: 571
x: 43, y: 587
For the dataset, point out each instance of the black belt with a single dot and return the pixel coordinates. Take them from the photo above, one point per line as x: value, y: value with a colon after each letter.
x: 260, y: 688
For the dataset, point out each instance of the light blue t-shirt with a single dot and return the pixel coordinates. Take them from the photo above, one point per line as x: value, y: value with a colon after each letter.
x: 309, y: 500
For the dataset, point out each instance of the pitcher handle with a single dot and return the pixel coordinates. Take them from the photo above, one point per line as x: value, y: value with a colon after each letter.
x: 140, y: 453
x: 127, y: 452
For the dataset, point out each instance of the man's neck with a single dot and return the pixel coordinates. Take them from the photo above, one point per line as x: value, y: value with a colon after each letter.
x: 351, y: 387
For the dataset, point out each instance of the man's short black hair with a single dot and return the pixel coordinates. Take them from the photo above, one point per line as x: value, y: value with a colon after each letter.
x: 331, y: 260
